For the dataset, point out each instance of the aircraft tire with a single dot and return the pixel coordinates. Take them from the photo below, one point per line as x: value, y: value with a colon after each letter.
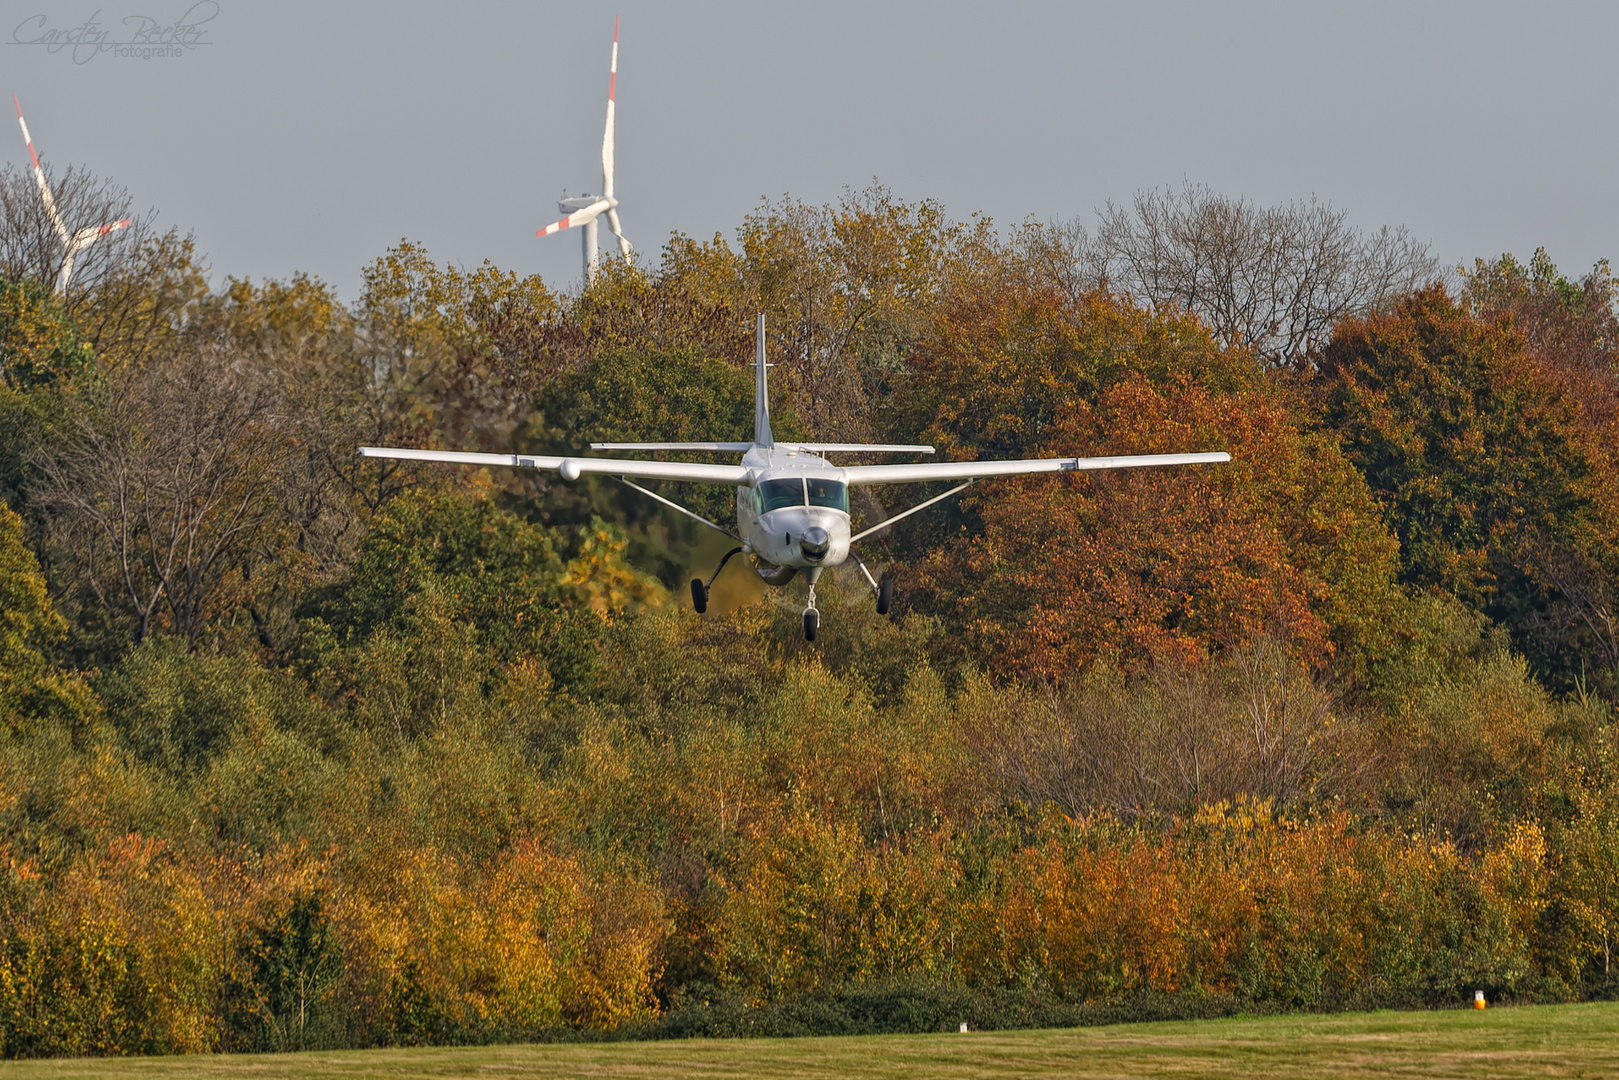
x: 699, y: 595
x: 885, y: 595
x: 812, y: 623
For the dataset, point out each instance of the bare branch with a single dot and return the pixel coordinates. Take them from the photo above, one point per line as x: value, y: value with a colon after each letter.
x: 1272, y: 279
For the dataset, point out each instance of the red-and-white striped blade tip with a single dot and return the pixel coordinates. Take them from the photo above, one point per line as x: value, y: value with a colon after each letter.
x: 556, y: 226
x: 105, y: 229
x: 612, y: 75
x: 27, y: 138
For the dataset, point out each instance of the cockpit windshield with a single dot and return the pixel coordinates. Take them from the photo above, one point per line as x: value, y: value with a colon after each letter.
x: 776, y: 494
x: 829, y: 493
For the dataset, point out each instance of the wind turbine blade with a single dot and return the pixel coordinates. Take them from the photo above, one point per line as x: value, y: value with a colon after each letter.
x: 90, y: 234
x: 578, y: 217
x: 39, y: 175
x: 607, y: 137
x: 624, y: 248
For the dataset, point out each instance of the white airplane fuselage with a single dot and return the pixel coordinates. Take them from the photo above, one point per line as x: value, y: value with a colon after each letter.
x: 796, y: 513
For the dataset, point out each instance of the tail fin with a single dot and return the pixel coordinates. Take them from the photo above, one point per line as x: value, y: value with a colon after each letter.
x: 761, y: 393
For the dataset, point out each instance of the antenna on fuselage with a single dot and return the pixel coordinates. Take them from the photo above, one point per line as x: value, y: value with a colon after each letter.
x: 761, y: 393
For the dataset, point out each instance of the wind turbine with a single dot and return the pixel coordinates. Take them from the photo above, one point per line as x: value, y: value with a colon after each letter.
x: 585, y: 209
x: 72, y: 243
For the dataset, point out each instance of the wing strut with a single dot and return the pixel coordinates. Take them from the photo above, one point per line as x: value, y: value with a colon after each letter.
x: 919, y: 506
x: 682, y: 509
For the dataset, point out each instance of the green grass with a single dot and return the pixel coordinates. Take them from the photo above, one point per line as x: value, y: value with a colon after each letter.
x: 1563, y: 1040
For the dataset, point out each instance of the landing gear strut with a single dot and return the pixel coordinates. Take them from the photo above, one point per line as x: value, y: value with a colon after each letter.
x: 812, y: 617
x: 883, y: 589
x: 699, y: 588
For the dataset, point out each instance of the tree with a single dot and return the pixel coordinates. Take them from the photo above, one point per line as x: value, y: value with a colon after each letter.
x: 31, y: 686
x: 39, y: 344
x: 1564, y: 604
x: 651, y: 395
x: 42, y: 355
x: 1470, y: 448
x: 528, y: 591
x: 160, y: 485
x: 1271, y: 279
x: 1044, y: 575
x: 1176, y: 738
x: 846, y: 290
x: 131, y: 290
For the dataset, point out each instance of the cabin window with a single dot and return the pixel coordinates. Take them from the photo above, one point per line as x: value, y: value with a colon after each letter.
x: 829, y: 493
x: 781, y: 493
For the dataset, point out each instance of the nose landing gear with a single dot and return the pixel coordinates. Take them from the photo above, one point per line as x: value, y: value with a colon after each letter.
x: 812, y: 617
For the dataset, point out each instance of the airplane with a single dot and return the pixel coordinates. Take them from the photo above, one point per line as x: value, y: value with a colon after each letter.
x: 792, y: 504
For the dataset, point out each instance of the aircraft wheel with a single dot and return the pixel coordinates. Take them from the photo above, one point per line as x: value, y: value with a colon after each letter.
x: 885, y: 595
x: 699, y: 595
x: 812, y: 623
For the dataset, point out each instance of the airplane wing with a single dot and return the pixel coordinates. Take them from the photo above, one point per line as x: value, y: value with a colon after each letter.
x: 858, y: 475
x: 573, y: 468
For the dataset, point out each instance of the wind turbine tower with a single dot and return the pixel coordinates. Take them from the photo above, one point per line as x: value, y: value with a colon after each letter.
x: 585, y: 209
x: 72, y: 243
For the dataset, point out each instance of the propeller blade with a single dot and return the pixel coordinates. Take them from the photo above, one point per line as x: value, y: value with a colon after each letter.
x: 39, y: 175
x: 607, y: 137
x: 624, y: 248
x: 578, y: 217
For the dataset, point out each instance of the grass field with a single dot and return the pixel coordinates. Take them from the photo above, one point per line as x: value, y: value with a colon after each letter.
x: 1566, y: 1040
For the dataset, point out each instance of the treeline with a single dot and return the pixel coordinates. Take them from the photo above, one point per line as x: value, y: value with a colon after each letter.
x: 303, y: 750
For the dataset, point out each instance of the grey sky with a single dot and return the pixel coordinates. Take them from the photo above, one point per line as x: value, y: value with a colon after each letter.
x: 311, y: 136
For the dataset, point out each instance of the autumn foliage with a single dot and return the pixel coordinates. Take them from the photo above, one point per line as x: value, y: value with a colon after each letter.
x: 419, y: 755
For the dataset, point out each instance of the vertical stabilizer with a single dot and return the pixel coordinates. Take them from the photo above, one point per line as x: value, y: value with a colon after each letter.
x: 761, y: 393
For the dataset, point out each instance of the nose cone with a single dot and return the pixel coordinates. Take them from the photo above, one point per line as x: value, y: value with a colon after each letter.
x: 814, y: 544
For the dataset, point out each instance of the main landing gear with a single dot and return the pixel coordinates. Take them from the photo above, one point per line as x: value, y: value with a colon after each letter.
x: 884, y: 589
x: 699, y: 587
